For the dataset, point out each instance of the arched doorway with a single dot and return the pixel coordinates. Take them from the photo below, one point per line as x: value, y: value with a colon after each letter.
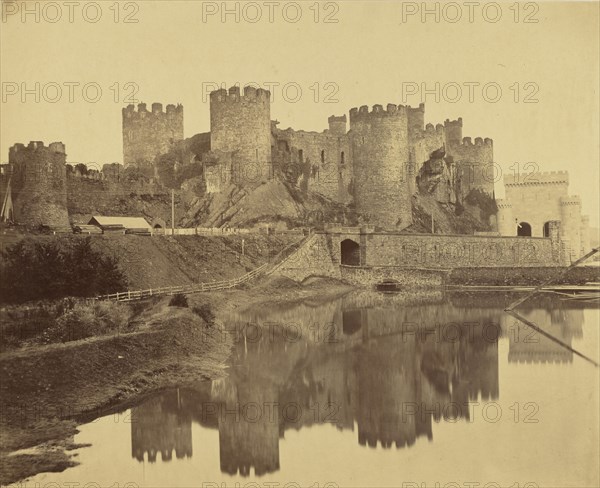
x: 524, y: 229
x: 546, y: 229
x: 350, y: 251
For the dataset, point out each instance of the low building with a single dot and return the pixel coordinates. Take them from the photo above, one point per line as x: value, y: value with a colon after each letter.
x: 123, y: 225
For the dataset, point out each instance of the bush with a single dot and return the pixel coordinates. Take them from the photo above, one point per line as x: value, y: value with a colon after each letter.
x: 179, y: 300
x: 34, y: 270
x: 87, y: 320
x: 205, y: 312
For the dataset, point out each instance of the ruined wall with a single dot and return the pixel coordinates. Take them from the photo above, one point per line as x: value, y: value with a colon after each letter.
x: 325, y: 158
x: 380, y: 152
x: 242, y: 123
x: 39, y: 184
x: 148, y: 134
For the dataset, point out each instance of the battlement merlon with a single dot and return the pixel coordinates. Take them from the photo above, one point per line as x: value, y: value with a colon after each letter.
x: 34, y: 146
x: 547, y: 178
x: 234, y: 94
x: 157, y: 109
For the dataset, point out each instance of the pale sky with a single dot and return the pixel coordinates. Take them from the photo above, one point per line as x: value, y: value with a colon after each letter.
x: 370, y: 56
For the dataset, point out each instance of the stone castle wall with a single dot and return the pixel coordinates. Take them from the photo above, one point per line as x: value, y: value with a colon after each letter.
x: 325, y: 159
x: 385, y: 255
x: 147, y: 134
x: 39, y: 184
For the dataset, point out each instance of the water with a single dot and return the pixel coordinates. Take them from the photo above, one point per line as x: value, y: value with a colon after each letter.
x: 372, y: 390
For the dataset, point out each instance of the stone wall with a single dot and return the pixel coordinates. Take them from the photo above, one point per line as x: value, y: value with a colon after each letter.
x: 406, y: 278
x: 444, y: 252
x: 393, y: 256
x: 325, y: 157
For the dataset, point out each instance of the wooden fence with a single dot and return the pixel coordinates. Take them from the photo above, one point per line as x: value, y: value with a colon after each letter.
x: 265, y: 269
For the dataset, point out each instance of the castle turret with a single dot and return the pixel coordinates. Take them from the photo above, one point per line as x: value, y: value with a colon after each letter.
x: 571, y: 224
x: 380, y: 158
x: 149, y: 134
x: 474, y: 161
x: 39, y: 186
x: 505, y: 219
x: 242, y: 124
x: 585, y: 235
x: 337, y: 125
x: 453, y: 129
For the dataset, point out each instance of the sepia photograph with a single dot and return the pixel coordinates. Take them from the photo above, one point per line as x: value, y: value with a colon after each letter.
x: 299, y: 244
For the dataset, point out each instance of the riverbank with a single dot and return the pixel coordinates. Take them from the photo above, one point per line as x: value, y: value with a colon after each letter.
x: 47, y: 390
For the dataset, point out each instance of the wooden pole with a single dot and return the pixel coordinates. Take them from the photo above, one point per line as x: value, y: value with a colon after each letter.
x: 173, y: 212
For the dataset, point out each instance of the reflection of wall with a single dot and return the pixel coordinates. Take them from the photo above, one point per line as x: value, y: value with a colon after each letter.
x: 159, y: 426
x: 527, y: 345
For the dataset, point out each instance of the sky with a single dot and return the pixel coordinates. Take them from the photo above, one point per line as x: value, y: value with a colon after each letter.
x: 525, y: 75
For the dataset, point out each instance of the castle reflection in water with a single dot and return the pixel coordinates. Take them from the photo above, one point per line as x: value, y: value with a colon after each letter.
x: 386, y: 365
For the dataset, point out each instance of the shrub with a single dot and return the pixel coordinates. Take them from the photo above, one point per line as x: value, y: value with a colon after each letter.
x: 179, y: 300
x: 34, y: 270
x: 87, y: 320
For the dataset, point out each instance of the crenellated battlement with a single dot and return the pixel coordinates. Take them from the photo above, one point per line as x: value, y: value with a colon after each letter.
x: 157, y: 109
x: 23, y: 150
x: 571, y: 200
x: 437, y: 129
x: 234, y: 94
x: 454, y: 123
x: 391, y: 110
x: 546, y: 178
x: 479, y: 141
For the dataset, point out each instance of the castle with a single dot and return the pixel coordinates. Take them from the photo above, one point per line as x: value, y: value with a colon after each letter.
x: 532, y: 201
x: 374, y: 164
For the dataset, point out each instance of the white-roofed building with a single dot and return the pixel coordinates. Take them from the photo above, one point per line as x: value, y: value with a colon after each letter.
x: 124, y: 224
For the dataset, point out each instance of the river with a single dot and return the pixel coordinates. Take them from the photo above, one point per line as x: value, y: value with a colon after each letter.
x: 370, y: 390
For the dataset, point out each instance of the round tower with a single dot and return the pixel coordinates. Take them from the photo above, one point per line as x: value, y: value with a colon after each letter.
x: 380, y: 157
x: 570, y: 209
x: 40, y: 184
x: 585, y: 235
x: 505, y: 219
x: 242, y: 124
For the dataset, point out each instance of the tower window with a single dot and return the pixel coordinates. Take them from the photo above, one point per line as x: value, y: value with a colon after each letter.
x: 323, y: 156
x: 342, y: 158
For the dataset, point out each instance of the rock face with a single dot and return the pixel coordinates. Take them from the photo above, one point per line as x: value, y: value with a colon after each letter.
x: 39, y: 184
x: 437, y: 177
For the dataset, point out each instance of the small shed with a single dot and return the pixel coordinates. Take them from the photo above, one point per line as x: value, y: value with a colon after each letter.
x: 122, y: 225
